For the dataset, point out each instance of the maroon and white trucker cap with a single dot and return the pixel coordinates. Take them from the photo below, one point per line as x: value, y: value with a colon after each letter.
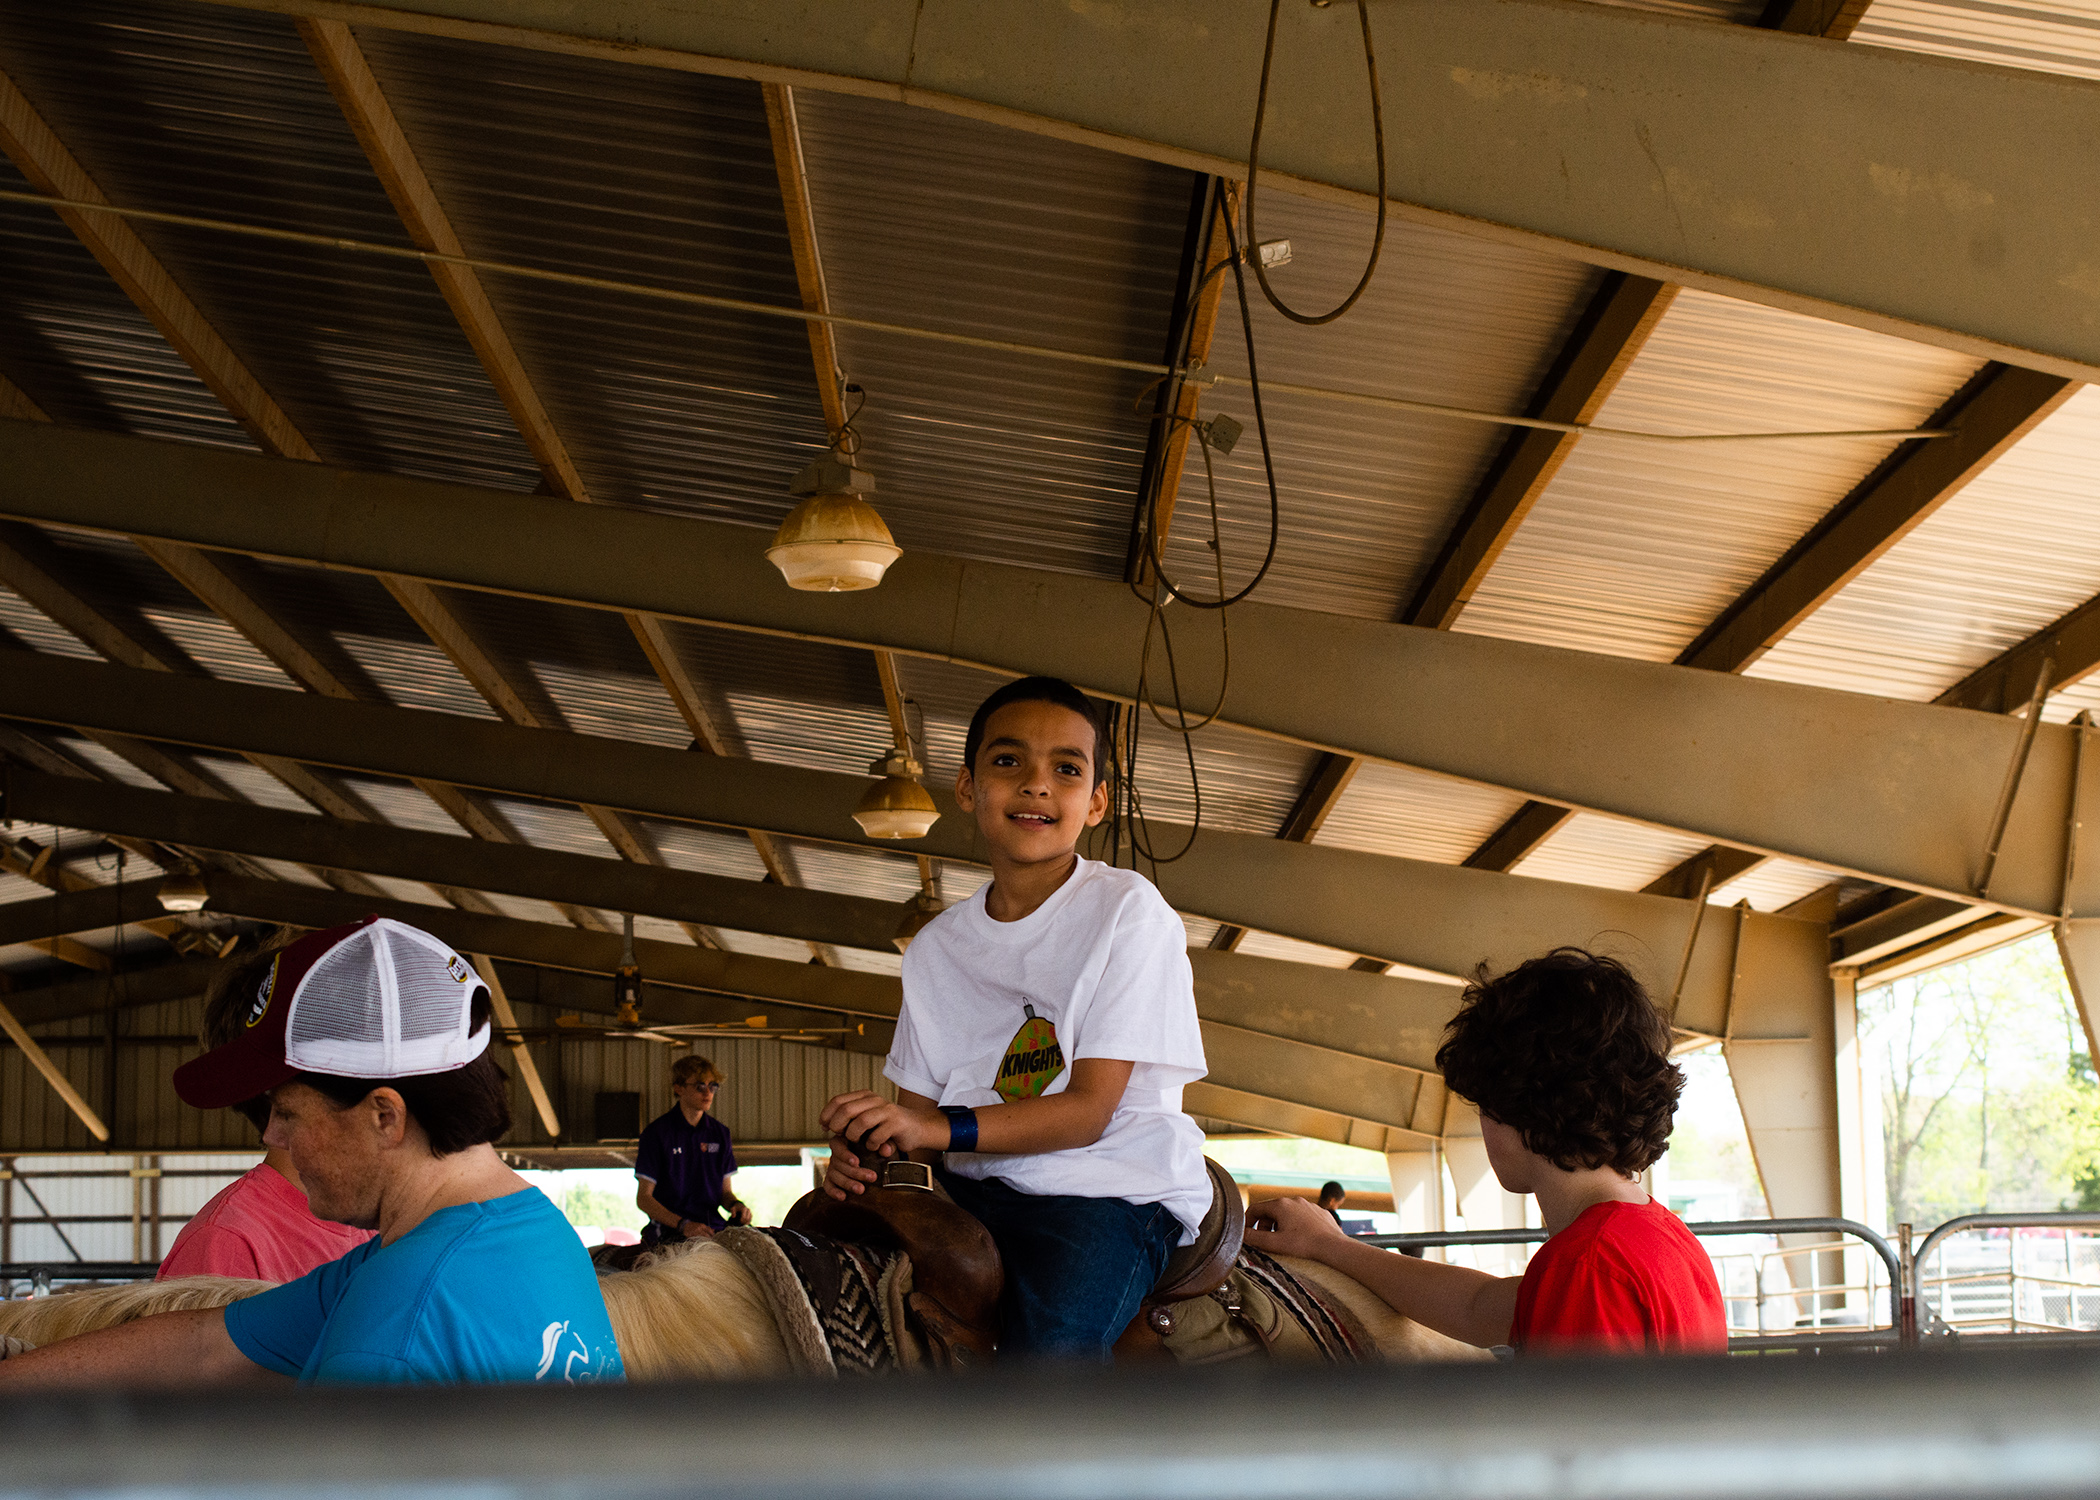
x: 376, y: 999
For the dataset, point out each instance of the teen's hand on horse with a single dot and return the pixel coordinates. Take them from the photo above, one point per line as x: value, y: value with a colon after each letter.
x: 845, y: 1175
x: 741, y: 1214
x: 1292, y: 1226
x: 695, y: 1231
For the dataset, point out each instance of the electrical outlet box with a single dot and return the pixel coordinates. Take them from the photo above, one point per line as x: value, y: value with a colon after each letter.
x: 1221, y: 432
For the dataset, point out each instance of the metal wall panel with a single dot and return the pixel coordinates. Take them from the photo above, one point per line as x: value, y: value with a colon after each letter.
x: 1368, y: 496
x: 1635, y: 548
x: 2000, y: 560
x: 2051, y: 36
x: 225, y: 116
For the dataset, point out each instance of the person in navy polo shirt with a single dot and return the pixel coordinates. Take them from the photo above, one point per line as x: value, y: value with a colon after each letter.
x: 685, y: 1162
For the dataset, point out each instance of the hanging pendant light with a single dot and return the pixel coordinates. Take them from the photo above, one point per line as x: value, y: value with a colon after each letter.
x: 627, y: 979
x: 896, y: 807
x: 833, y: 542
x: 918, y: 913
x: 183, y: 890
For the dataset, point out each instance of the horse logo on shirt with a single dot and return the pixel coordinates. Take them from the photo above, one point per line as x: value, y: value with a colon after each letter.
x: 1033, y: 1060
x: 557, y: 1342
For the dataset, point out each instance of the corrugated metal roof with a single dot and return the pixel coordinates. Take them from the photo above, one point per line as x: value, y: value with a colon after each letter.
x: 1249, y: 781
x: 927, y: 219
x: 1635, y: 548
x: 80, y: 349
x: 1368, y: 496
x: 646, y: 175
x: 1610, y: 852
x: 2053, y: 36
x: 1997, y: 562
x: 1773, y: 884
x: 1396, y: 810
x: 1268, y: 945
x: 225, y: 116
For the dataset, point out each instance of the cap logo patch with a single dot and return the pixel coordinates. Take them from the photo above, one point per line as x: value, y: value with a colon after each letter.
x: 456, y: 967
x: 260, y: 1005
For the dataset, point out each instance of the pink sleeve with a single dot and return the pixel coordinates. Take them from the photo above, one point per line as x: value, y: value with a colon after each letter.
x: 210, y: 1251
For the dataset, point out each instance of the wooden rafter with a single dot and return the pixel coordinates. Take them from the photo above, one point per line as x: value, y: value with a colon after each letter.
x: 2001, y: 405
x: 793, y: 173
x: 44, y: 159
x: 364, y: 104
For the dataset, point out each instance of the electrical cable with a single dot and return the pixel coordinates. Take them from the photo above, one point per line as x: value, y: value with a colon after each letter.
x: 1261, y: 110
x: 907, y: 330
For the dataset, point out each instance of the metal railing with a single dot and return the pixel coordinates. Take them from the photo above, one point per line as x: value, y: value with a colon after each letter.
x: 44, y: 1275
x: 2045, y: 1292
x: 1823, y: 1314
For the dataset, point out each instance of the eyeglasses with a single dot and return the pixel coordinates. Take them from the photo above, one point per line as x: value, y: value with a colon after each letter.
x: 710, y: 1087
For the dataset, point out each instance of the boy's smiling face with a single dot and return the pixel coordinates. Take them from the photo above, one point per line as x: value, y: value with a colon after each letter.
x: 1033, y: 789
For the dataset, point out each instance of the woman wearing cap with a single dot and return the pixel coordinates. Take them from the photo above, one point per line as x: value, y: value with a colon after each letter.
x: 371, y: 1042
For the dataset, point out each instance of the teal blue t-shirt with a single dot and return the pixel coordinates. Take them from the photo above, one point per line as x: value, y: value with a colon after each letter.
x: 479, y: 1292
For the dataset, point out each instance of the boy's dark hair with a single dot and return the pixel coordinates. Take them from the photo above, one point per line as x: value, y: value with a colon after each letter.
x: 462, y: 1108
x: 226, y: 997
x: 1332, y: 1190
x: 1568, y: 1051
x: 1039, y: 690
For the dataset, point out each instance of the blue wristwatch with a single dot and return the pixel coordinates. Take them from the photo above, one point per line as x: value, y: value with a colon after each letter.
x: 962, y: 1127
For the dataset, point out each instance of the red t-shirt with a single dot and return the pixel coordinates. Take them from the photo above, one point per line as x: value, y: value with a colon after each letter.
x: 1624, y: 1278
x: 258, y: 1226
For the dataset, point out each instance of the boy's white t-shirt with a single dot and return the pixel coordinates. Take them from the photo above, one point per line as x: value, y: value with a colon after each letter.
x: 1103, y: 966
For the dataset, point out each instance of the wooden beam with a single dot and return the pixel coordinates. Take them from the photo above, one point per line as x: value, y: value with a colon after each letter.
x: 2071, y: 646
x: 15, y: 403
x: 521, y: 1054
x: 349, y: 78
x: 792, y: 170
x: 53, y: 1075
x: 1618, y: 321
x: 1684, y: 879
x: 1530, y: 826
x: 2001, y: 405
x: 1205, y: 248
x: 42, y: 158
x: 1834, y: 19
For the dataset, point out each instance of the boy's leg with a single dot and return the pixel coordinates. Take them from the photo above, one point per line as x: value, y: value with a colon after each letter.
x: 1076, y: 1268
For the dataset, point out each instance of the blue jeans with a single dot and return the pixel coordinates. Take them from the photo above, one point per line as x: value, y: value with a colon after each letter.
x: 1076, y: 1268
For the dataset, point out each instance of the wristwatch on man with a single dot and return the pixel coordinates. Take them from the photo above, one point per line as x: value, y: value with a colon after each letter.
x: 679, y: 1227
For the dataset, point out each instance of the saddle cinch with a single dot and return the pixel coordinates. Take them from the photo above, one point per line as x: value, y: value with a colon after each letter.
x: 957, y: 1276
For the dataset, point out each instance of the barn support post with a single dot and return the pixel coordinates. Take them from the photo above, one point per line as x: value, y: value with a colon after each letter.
x: 1862, y: 1168
x: 2078, y: 924
x: 1480, y: 1198
x: 1778, y: 1034
x: 1417, y: 1174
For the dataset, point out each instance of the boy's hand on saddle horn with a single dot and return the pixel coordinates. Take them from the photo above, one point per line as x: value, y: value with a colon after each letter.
x: 845, y: 1175
x: 1293, y: 1226
x: 879, y: 1127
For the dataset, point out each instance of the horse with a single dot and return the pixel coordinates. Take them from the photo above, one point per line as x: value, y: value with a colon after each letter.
x: 896, y: 1279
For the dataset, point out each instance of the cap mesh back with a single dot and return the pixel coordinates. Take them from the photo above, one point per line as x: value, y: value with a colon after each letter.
x: 340, y: 1000
x: 431, y: 999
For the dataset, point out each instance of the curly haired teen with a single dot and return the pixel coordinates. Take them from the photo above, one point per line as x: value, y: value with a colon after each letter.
x: 1569, y: 1063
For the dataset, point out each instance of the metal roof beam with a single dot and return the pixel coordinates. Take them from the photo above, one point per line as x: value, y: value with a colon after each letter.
x: 1990, y: 414
x: 1744, y: 161
x: 1322, y: 1076
x: 447, y: 860
x: 1898, y: 792
x: 1430, y: 916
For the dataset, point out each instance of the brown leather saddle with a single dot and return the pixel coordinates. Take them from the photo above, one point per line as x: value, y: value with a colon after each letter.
x: 957, y: 1276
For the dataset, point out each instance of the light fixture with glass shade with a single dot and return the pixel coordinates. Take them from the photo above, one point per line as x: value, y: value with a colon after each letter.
x: 183, y: 890
x: 918, y: 913
x: 833, y: 542
x: 897, y: 806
